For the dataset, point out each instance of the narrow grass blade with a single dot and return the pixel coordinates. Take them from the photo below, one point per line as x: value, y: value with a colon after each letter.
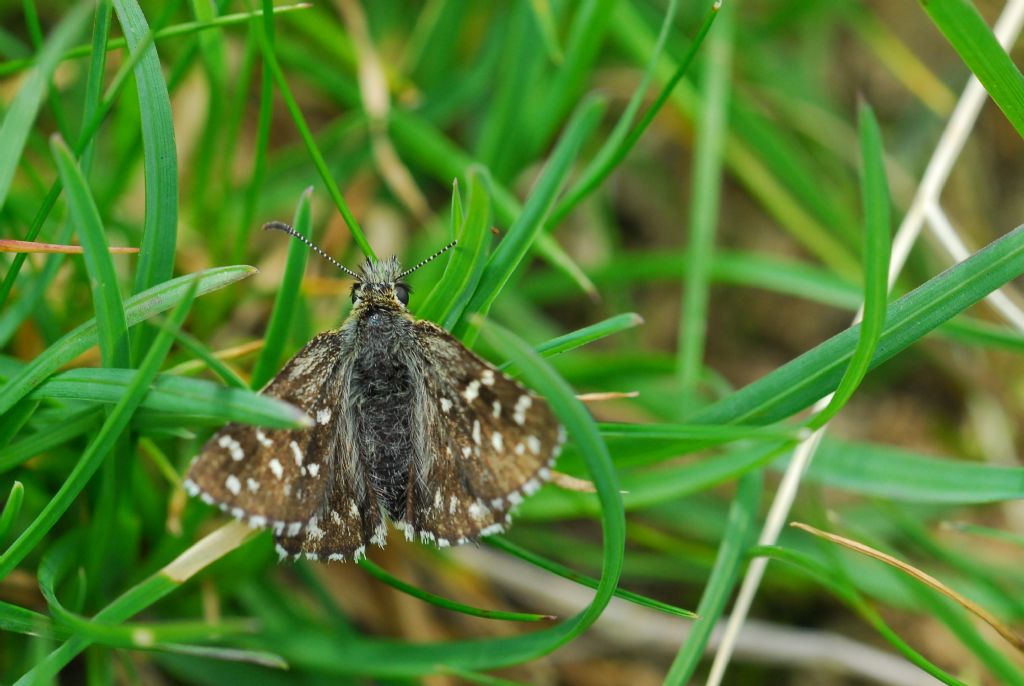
x: 33, y: 444
x: 848, y: 595
x: 739, y: 532
x: 507, y: 546
x: 170, y: 394
x: 875, y: 196
x: 22, y: 112
x: 589, y: 334
x: 521, y: 235
x: 798, y: 384
x: 137, y: 308
x: 712, y: 123
x: 970, y: 36
x: 108, y: 434
x: 12, y: 508
x: 178, y: 30
x: 285, y: 300
x: 450, y: 295
x: 112, y: 327
x: 270, y: 59
x: 160, y: 229
x: 443, y: 603
x: 900, y: 475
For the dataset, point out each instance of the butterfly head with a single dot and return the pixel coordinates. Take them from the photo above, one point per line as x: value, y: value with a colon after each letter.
x: 381, y: 285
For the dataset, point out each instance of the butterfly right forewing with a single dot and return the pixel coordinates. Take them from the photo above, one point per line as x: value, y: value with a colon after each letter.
x: 488, y: 442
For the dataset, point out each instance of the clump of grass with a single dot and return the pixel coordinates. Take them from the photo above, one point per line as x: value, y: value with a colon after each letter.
x: 198, y: 123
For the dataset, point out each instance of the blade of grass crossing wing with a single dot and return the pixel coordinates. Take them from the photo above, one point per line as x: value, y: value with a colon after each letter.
x: 105, y: 439
x: 722, y: 580
x: 450, y: 295
x: 137, y: 308
x: 112, y: 326
x: 21, y: 114
x: 285, y: 300
x: 875, y: 197
x: 521, y: 235
x: 970, y: 36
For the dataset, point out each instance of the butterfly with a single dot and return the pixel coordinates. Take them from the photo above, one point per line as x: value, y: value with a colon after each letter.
x: 408, y: 426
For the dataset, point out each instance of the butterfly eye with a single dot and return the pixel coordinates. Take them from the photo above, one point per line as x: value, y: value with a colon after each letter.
x: 402, y: 293
x: 355, y: 291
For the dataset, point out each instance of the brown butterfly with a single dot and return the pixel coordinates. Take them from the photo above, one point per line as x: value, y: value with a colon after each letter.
x: 409, y: 425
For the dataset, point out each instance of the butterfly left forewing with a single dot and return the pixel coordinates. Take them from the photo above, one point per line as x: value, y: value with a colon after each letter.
x: 279, y: 477
x: 488, y: 443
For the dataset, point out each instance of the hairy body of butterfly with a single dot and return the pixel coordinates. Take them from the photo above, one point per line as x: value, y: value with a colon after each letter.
x: 409, y: 425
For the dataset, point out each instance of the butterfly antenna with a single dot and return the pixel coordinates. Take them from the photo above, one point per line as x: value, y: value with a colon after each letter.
x: 433, y: 257
x: 281, y: 226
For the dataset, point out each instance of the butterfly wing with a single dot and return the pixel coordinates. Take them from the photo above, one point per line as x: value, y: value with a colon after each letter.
x: 486, y: 443
x: 304, y: 483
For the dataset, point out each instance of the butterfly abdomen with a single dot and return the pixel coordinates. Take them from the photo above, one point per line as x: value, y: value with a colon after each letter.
x: 384, y: 412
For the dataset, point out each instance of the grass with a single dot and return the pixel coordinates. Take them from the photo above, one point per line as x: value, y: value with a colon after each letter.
x: 653, y: 197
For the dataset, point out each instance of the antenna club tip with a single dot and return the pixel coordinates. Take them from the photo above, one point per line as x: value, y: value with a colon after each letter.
x: 279, y: 226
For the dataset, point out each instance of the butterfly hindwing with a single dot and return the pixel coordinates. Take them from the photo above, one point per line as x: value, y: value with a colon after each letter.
x: 488, y: 442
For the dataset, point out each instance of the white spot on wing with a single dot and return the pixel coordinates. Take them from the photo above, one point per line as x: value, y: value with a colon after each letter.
x: 477, y: 511
x: 296, y: 452
x: 313, y: 530
x: 472, y: 391
x: 233, y: 447
x: 496, y: 409
x: 276, y: 468
x: 487, y: 377
x: 323, y: 416
x: 253, y: 484
x: 533, y: 444
x: 263, y: 440
x: 233, y: 484
x: 466, y: 451
x: 446, y: 405
x: 522, y: 405
x: 453, y: 504
x: 497, y: 441
x: 476, y: 431
x: 314, y: 469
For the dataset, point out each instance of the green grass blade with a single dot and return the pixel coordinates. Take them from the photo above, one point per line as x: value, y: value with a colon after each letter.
x: 14, y: 454
x: 160, y: 228
x: 285, y: 301
x: 809, y: 377
x: 137, y: 308
x: 449, y: 297
x: 973, y: 40
x: 443, y: 603
x: 178, y: 30
x: 875, y: 194
x: 507, y: 546
x: 12, y: 508
x: 710, y: 136
x: 740, y: 530
x: 623, y: 138
x: 270, y: 60
x: 108, y: 435
x: 22, y: 112
x: 900, y: 475
x: 521, y: 235
x: 847, y: 594
x: 174, y: 395
x: 112, y: 327
x: 589, y: 334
